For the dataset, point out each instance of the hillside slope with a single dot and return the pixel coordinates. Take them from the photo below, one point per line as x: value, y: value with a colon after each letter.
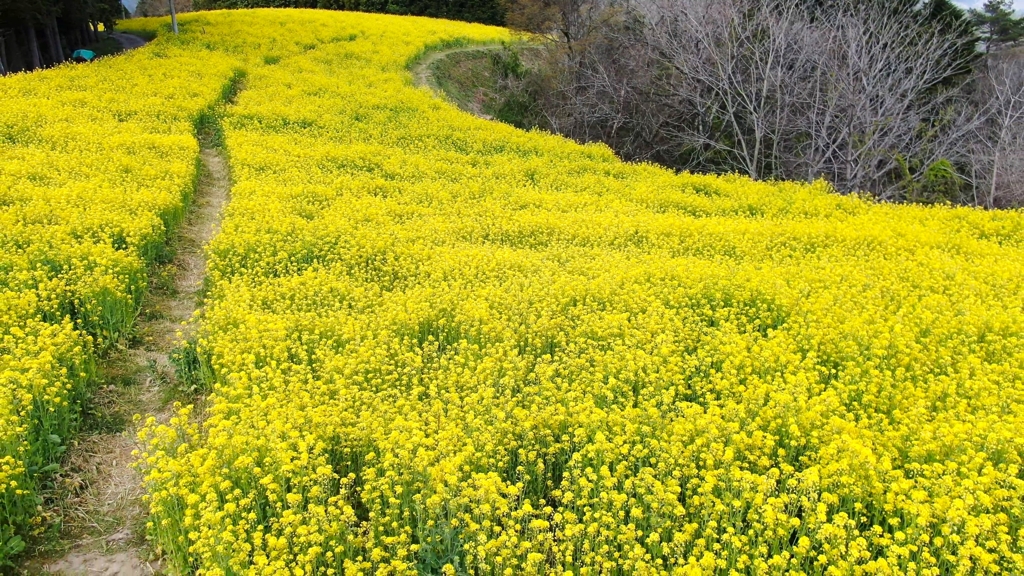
x: 440, y: 344
x: 98, y: 165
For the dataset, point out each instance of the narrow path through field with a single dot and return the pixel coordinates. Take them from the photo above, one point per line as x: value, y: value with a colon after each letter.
x: 102, y: 509
x: 423, y: 74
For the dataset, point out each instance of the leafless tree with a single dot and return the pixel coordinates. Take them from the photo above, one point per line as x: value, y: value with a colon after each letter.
x: 879, y: 98
x: 999, y: 149
x: 841, y: 94
x: 601, y: 90
x: 735, y: 67
x: 568, y: 21
x: 868, y: 98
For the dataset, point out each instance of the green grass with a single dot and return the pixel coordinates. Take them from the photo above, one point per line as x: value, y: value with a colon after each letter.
x: 469, y: 79
x: 473, y: 81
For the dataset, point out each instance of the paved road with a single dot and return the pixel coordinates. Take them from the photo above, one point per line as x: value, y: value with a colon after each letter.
x: 129, y: 41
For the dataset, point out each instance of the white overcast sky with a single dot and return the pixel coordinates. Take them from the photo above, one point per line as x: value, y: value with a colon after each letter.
x: 1018, y: 4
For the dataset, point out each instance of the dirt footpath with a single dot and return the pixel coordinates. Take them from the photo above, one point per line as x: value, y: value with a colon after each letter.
x: 103, y: 515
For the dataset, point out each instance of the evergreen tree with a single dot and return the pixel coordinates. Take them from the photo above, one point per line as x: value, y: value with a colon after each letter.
x: 40, y: 33
x: 998, y: 24
x: 957, y: 23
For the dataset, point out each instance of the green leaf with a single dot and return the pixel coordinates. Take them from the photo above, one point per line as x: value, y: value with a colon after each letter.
x: 14, y: 545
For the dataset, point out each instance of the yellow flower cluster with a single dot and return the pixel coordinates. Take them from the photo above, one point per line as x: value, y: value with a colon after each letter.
x: 96, y: 163
x: 443, y: 345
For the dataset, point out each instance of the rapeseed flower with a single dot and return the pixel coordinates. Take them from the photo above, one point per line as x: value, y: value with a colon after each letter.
x: 439, y: 344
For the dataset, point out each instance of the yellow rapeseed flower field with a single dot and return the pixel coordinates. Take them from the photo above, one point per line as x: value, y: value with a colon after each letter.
x: 442, y: 345
x: 96, y: 163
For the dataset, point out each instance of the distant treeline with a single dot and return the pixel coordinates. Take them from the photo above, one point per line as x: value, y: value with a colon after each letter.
x: 39, y: 33
x: 485, y: 11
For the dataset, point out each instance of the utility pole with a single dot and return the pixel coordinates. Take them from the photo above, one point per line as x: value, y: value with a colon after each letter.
x: 174, y: 19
